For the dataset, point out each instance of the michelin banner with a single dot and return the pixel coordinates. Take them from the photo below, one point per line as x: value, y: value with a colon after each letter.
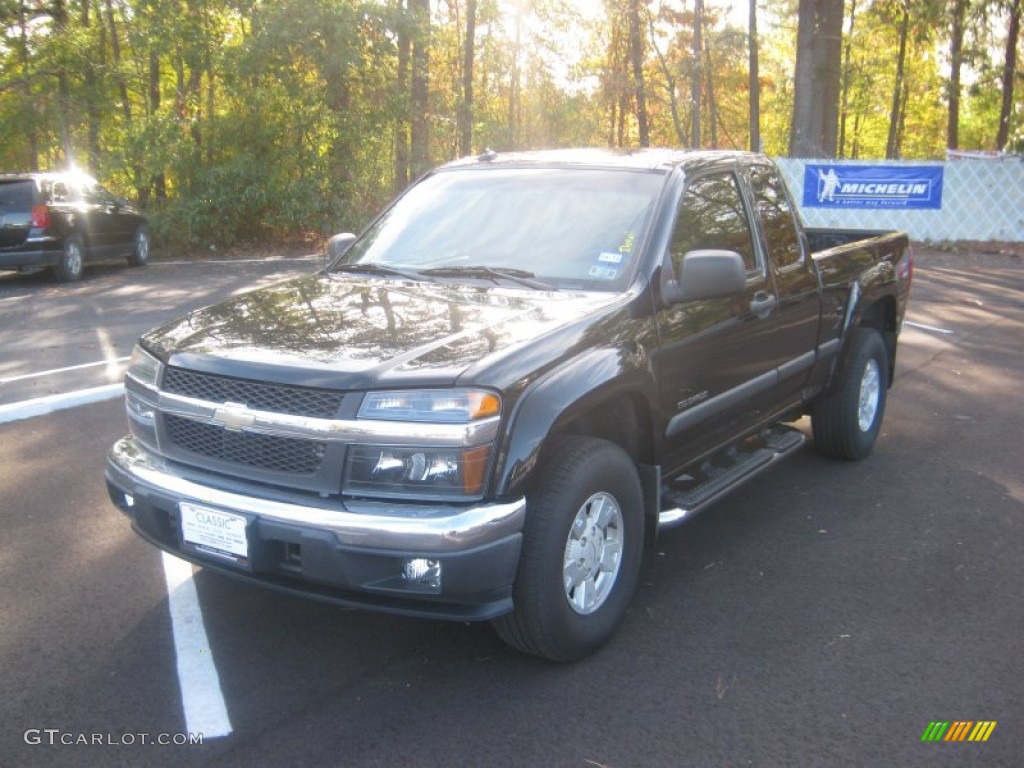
x: 873, y: 186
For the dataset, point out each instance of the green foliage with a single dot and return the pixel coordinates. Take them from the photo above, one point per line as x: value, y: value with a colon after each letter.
x: 257, y: 120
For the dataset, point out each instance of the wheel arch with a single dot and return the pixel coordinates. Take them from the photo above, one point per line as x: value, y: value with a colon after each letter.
x: 600, y: 394
x: 880, y: 315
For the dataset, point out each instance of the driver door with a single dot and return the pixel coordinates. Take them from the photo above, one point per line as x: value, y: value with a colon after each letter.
x: 717, y: 357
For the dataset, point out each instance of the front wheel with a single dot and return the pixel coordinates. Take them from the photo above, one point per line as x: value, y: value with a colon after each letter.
x: 582, y: 549
x: 846, y: 422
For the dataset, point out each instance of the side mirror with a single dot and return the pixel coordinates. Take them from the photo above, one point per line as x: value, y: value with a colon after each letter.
x: 707, y: 274
x: 338, y: 244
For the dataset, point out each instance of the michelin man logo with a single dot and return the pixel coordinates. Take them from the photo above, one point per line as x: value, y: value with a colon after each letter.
x: 828, y: 183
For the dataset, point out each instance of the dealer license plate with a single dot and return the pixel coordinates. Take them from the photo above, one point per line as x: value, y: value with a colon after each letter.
x: 214, y: 531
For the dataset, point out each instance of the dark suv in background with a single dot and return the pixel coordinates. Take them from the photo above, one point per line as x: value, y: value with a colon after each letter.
x: 59, y: 220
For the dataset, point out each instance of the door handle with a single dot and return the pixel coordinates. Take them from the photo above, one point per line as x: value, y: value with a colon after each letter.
x: 763, y: 303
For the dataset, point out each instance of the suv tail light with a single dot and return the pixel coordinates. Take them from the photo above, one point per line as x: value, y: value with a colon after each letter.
x: 41, y: 217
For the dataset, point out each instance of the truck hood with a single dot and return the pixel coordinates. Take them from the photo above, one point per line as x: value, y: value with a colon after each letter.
x: 348, y: 331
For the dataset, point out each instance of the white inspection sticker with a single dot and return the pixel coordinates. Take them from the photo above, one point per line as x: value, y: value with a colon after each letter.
x: 213, y: 530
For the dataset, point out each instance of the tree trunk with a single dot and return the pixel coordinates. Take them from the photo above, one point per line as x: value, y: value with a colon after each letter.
x: 26, y: 88
x: 844, y: 102
x: 59, y: 14
x: 956, y: 58
x: 816, y: 79
x: 623, y: 111
x: 466, y: 115
x: 712, y: 104
x: 419, y: 134
x: 513, y: 96
x: 698, y: 80
x: 122, y: 91
x: 670, y: 83
x: 754, y: 80
x: 402, y: 118
x: 159, y: 179
x: 892, y: 146
x: 636, y: 55
x: 1009, y: 70
x: 91, y: 95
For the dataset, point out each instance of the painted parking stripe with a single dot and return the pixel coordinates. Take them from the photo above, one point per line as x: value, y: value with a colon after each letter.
x: 924, y: 327
x: 310, y: 257
x: 39, y: 406
x: 65, y: 369
x: 201, y: 696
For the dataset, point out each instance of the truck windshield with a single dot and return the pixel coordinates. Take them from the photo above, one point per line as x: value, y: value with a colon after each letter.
x: 565, y: 228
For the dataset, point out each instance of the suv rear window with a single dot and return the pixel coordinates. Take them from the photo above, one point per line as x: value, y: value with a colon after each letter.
x: 17, y: 194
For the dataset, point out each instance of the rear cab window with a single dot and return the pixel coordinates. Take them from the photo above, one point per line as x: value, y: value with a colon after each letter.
x: 778, y: 221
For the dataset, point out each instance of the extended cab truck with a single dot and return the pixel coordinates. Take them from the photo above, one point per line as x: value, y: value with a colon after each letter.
x: 515, y: 377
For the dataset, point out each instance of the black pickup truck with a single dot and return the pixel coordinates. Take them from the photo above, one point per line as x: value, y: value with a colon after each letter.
x: 495, y: 396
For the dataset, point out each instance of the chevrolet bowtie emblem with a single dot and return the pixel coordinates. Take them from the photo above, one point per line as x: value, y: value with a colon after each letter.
x: 233, y: 416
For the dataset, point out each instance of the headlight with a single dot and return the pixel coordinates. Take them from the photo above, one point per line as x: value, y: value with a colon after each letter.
x: 442, y: 470
x: 447, y: 473
x: 140, y: 395
x: 440, y: 406
x: 144, y: 368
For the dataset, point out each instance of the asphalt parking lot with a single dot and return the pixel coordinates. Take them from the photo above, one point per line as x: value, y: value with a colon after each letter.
x: 823, y: 615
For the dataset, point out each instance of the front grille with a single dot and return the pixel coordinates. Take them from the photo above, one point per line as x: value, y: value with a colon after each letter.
x: 258, y: 395
x: 269, y: 452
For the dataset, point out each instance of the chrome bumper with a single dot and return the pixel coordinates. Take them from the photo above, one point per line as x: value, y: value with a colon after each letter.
x: 428, y: 527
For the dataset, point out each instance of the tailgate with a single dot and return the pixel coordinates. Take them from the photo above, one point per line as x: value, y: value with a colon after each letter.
x: 16, y: 198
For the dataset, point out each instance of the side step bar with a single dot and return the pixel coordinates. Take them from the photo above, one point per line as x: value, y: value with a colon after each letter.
x: 691, y: 491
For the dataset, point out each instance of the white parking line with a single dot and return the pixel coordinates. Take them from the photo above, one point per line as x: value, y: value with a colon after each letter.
x: 310, y: 257
x: 201, y: 697
x: 39, y: 406
x: 66, y: 368
x: 924, y: 327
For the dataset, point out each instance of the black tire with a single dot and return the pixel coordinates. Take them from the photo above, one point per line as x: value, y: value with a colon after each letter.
x: 140, y: 249
x: 846, y: 421
x: 69, y: 268
x: 586, y: 510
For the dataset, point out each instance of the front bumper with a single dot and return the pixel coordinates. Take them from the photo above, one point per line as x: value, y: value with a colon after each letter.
x: 350, y: 553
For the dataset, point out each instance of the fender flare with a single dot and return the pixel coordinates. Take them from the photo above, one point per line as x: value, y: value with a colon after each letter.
x: 559, y: 396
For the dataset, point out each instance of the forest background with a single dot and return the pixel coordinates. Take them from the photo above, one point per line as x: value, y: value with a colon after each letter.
x: 284, y: 120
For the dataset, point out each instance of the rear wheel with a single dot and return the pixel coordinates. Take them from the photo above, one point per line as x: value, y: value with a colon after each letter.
x: 69, y: 268
x: 140, y: 251
x: 847, y: 421
x: 582, y: 548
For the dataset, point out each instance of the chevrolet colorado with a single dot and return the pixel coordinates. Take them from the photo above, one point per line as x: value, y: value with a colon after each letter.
x: 523, y: 369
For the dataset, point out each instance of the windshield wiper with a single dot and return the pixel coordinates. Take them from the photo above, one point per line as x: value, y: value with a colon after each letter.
x: 370, y: 268
x: 520, y: 276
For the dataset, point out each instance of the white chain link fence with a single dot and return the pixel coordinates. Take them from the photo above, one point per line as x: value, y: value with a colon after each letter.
x: 981, y: 200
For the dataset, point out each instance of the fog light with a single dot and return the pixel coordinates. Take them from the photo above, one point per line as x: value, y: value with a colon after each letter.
x: 422, y: 572
x: 129, y: 500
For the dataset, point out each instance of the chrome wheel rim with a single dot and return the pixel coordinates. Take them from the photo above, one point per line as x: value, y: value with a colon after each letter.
x: 870, y: 393
x: 142, y: 246
x: 593, y: 553
x: 73, y: 261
